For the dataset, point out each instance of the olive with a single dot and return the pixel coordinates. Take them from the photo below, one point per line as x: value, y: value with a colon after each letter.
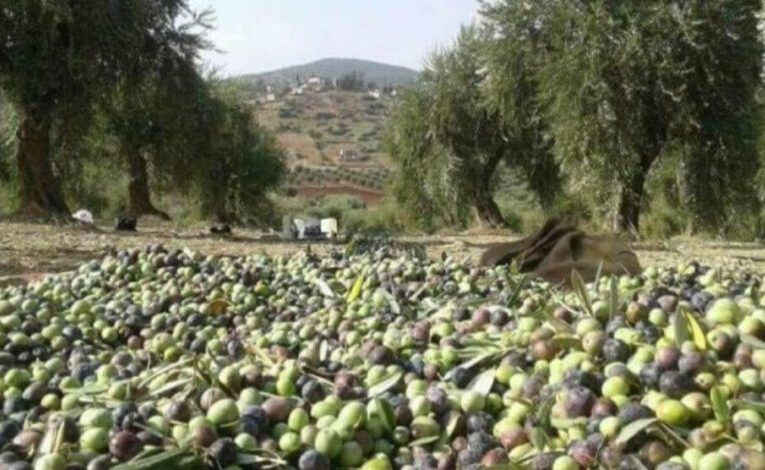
x: 124, y: 445
x: 223, y: 411
x: 223, y: 451
x: 583, y: 453
x: 204, y: 435
x: 178, y: 410
x: 313, y: 460
x: 579, y: 401
x: 277, y: 409
x: 631, y: 412
x: 675, y: 384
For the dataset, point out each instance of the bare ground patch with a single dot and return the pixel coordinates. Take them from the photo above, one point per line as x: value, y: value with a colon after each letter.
x: 35, y: 248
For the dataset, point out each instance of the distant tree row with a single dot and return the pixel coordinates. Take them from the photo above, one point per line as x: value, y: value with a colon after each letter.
x: 589, y: 97
x: 117, y: 83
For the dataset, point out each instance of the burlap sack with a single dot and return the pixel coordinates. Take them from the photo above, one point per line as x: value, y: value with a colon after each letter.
x: 560, y: 248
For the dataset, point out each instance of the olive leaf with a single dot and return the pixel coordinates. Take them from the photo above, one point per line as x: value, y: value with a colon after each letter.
x: 424, y: 441
x: 159, y: 461
x: 355, y: 291
x: 453, y: 424
x: 170, y: 386
x: 613, y: 298
x: 324, y: 350
x: 681, y: 328
x: 471, y: 363
x: 504, y: 466
x: 395, y: 308
x: 538, y: 438
x: 749, y: 405
x: 635, y: 462
x: 581, y: 291
x: 384, y: 412
x: 697, y: 332
x: 483, y: 382
x: 753, y: 341
x: 259, y: 461
x: 719, y: 405
x: 384, y: 385
x: 326, y: 291
x: 165, y: 370
x: 633, y: 429
x: 596, y: 283
x: 146, y: 453
x: 517, y: 291
x: 90, y: 389
x: 567, y: 423
x: 559, y: 325
x: 543, y: 416
x: 667, y: 430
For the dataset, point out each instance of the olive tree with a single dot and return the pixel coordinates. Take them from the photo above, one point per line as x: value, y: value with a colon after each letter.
x: 7, y: 126
x: 453, y: 131
x: 515, y: 50
x: 628, y: 83
x: 58, y: 60
x: 423, y: 170
x: 238, y: 162
x: 462, y: 124
x: 150, y: 110
x: 54, y: 58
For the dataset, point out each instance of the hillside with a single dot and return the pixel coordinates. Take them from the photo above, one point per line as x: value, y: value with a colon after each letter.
x: 379, y: 73
x: 316, y: 128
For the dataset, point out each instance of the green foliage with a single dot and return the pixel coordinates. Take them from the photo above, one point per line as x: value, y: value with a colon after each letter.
x: 353, y: 216
x: 240, y: 161
x: 337, y: 206
x: 645, y: 107
x: 8, y: 124
x: 422, y: 174
x: 381, y: 218
x: 629, y: 83
x: 353, y: 81
x: 453, y: 131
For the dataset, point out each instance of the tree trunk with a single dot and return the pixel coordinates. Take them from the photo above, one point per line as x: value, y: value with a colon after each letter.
x: 39, y: 191
x: 486, y: 208
x: 628, y: 203
x: 139, y: 197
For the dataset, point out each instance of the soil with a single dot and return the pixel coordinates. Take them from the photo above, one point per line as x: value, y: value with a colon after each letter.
x: 30, y: 249
x: 369, y: 196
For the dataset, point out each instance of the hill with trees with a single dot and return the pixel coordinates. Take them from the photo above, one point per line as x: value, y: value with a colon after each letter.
x: 335, y: 68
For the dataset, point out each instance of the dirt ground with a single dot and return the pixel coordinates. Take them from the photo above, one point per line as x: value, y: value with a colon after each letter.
x: 34, y: 248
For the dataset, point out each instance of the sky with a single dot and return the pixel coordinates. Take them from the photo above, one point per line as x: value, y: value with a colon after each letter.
x: 261, y: 35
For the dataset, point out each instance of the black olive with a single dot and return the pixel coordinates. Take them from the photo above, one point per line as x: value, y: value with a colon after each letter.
x: 224, y: 451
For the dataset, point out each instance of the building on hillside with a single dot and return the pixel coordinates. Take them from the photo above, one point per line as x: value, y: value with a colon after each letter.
x: 375, y: 94
x: 315, y: 83
x: 267, y: 98
x: 297, y: 90
x: 351, y: 156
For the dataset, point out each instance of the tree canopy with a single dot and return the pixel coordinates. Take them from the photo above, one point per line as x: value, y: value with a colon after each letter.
x: 118, y: 86
x: 238, y: 161
x: 462, y: 135
x: 625, y: 84
x: 592, y: 96
x: 55, y: 59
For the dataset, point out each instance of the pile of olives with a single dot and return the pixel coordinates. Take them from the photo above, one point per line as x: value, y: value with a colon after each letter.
x: 379, y: 359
